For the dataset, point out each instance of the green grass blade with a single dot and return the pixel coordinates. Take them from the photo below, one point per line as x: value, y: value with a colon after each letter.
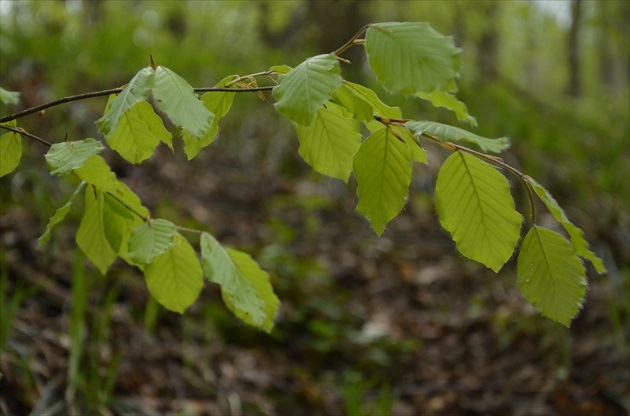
x: 551, y: 275
x: 475, y: 205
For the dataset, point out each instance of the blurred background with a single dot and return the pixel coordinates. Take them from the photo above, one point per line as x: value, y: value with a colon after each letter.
x: 400, y: 324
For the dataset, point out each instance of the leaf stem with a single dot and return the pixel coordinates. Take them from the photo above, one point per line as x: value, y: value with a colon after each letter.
x: 353, y: 41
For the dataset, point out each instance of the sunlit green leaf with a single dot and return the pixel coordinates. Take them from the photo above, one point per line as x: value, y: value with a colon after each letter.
x: 475, y: 205
x: 97, y: 172
x: 217, y: 102
x: 357, y: 106
x: 382, y: 167
x: 10, y: 152
x: 551, y: 275
x: 444, y: 99
x: 245, y: 288
x: 138, y: 133
x: 330, y: 142
x: 409, y: 57
x: 305, y: 89
x: 281, y: 69
x: 175, y: 97
x: 137, y: 90
x: 9, y: 97
x: 418, y: 154
x: 150, y: 239
x: 175, y: 278
x: 59, y: 216
x: 90, y: 236
x: 448, y: 133
x: 577, y: 238
x: 66, y: 156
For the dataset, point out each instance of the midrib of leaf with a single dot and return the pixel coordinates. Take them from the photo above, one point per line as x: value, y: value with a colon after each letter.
x: 306, y: 83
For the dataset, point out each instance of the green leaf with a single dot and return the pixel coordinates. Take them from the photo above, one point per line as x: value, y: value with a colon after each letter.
x: 217, y: 102
x: 139, y: 132
x: 475, y: 205
x: 137, y: 90
x: 150, y: 239
x: 90, y: 236
x: 96, y: 171
x: 67, y: 156
x: 379, y: 108
x: 450, y: 102
x: 410, y: 57
x: 59, y: 216
x: 448, y: 133
x: 9, y: 97
x: 175, y: 97
x: 245, y: 288
x: 10, y: 152
x: 305, y: 89
x: 330, y: 142
x: 281, y: 69
x: 382, y: 167
x: 357, y: 106
x: 577, y: 237
x: 418, y: 154
x: 550, y: 275
x: 175, y: 278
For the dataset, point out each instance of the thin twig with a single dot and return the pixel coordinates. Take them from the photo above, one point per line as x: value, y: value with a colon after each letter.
x: 352, y: 41
x: 22, y: 132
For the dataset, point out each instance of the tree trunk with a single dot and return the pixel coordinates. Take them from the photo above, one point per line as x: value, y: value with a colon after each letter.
x: 575, y: 86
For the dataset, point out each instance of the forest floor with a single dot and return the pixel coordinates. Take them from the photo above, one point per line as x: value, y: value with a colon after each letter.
x: 400, y: 324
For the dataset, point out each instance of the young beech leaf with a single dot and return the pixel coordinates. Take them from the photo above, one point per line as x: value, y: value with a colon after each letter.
x: 359, y: 108
x: 175, y: 278
x: 137, y: 90
x: 245, y: 288
x: 59, y: 216
x: 330, y: 142
x: 475, y: 205
x: 10, y: 152
x: 138, y: 133
x: 382, y: 167
x: 97, y: 172
x: 450, y: 102
x: 379, y: 108
x: 175, y: 97
x: 409, y: 57
x: 9, y: 97
x: 219, y: 103
x: 305, y: 89
x: 448, y: 133
x: 91, y: 237
x: 577, y: 238
x: 150, y: 239
x: 66, y: 156
x: 418, y: 154
x: 550, y: 275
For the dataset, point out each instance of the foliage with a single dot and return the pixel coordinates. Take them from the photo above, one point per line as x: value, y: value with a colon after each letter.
x: 473, y: 198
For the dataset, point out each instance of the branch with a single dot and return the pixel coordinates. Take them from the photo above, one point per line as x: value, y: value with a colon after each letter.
x: 23, y: 132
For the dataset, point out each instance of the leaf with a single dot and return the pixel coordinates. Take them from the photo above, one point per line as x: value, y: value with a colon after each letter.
x: 90, y: 236
x: 450, y: 102
x: 150, y: 239
x: 139, y: 132
x: 410, y: 57
x: 379, y: 108
x: 448, y: 133
x: 245, y: 288
x: 96, y: 171
x: 9, y: 97
x: 305, y: 89
x: 59, y: 216
x: 418, y: 154
x: 10, y: 152
x: 330, y: 142
x: 382, y: 167
x: 175, y: 97
x: 358, y: 107
x: 475, y: 205
x: 66, y: 156
x: 577, y: 237
x: 137, y: 90
x: 175, y: 278
x: 551, y: 275
x: 281, y: 69
x: 217, y: 102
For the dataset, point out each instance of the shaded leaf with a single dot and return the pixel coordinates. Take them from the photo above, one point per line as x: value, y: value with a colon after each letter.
x: 305, y: 89
x: 90, y: 236
x: 450, y: 102
x: 59, y: 216
x: 150, y: 239
x: 9, y: 97
x: 10, y: 152
x: 448, y: 133
x: 175, y: 278
x: 382, y: 168
x: 97, y: 172
x: 330, y: 142
x: 475, y: 205
x: 550, y: 275
x: 245, y: 287
x: 66, y: 156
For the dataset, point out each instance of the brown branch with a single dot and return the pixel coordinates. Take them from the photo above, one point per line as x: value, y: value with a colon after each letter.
x: 22, y: 132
